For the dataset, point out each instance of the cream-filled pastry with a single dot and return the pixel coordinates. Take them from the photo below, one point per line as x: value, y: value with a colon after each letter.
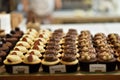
x: 21, y: 48
x: 23, y: 43
x: 31, y: 59
x: 12, y: 59
x: 35, y: 52
x: 19, y: 53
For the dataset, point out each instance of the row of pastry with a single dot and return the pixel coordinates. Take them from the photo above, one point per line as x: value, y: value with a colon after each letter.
x: 70, y: 49
x: 28, y: 49
x: 8, y: 41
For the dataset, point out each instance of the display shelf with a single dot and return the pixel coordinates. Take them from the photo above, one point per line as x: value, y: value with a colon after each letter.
x: 60, y: 20
x: 94, y: 28
x: 76, y: 16
x: 62, y: 76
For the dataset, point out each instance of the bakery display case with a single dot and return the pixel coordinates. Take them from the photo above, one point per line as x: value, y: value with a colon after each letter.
x: 105, y: 28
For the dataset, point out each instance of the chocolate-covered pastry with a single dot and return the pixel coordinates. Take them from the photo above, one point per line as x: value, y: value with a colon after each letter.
x: 53, y: 47
x: 72, y: 31
x: 52, y: 44
x: 51, y: 52
x: 3, y: 53
x: 68, y: 58
x: 70, y: 62
x: 18, y: 31
x: 5, y: 48
x: 10, y: 39
x: 69, y: 45
x: 113, y: 36
x: 59, y: 30
x: 16, y: 34
x: 54, y: 40
x: 57, y: 35
x: 1, y: 60
x: 49, y: 60
x: 50, y: 57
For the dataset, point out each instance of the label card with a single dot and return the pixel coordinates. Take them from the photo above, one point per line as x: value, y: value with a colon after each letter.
x: 5, y: 22
x: 20, y: 69
x: 97, y: 68
x: 57, y: 68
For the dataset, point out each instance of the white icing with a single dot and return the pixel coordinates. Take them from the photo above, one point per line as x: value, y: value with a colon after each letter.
x: 21, y: 48
x: 19, y: 53
x: 13, y: 58
x: 36, y: 52
x: 25, y: 44
x: 29, y: 36
x: 34, y: 61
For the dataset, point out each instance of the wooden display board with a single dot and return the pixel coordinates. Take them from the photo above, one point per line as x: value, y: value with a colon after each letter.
x: 61, y: 76
x: 62, y: 20
x: 65, y: 76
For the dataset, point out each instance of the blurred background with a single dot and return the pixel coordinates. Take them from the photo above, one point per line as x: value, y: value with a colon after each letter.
x: 61, y: 11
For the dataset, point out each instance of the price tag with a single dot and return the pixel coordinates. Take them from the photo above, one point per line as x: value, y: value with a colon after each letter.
x: 5, y: 22
x: 97, y: 68
x: 20, y: 69
x: 57, y: 68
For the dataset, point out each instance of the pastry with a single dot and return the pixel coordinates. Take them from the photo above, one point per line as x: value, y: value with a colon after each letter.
x: 70, y: 61
x: 33, y: 62
x: 49, y: 60
x: 11, y: 61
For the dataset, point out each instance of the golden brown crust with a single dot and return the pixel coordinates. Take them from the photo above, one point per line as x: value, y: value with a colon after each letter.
x: 50, y: 63
x: 8, y: 63
x: 37, y: 62
x: 70, y: 63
